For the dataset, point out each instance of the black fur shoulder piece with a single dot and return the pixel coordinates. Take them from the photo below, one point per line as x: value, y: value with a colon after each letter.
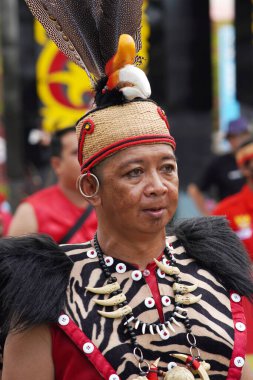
x: 211, y: 242
x: 34, y: 274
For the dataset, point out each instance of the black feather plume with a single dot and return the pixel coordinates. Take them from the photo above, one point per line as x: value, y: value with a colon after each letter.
x: 87, y: 31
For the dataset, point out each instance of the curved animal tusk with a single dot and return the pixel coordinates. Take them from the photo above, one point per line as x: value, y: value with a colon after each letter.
x: 181, y: 357
x: 107, y: 289
x: 143, y: 328
x: 179, y: 315
x: 205, y: 365
x: 137, y: 324
x: 201, y: 371
x: 167, y: 268
x: 119, y: 313
x: 184, y: 288
x: 151, y: 330
x: 129, y: 320
x: 175, y: 321
x: 187, y: 299
x: 155, y: 363
x: 170, y: 326
x: 113, y: 301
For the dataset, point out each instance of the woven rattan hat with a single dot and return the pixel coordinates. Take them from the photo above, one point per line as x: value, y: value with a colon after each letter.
x: 105, y: 131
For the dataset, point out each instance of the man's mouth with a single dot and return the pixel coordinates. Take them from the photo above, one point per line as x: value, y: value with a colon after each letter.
x: 155, y: 211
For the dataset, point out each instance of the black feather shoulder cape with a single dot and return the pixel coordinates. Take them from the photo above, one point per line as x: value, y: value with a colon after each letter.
x: 34, y: 270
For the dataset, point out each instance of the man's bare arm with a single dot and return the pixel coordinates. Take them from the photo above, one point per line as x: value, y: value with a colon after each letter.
x: 24, y: 221
x: 247, y: 372
x: 198, y: 199
x: 27, y: 355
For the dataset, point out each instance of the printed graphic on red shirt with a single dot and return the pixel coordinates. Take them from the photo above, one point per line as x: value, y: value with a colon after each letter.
x: 243, y: 223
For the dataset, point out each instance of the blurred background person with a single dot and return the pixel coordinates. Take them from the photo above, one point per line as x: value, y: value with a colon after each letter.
x: 221, y: 177
x: 59, y: 210
x: 38, y: 171
x: 238, y: 209
x: 5, y: 215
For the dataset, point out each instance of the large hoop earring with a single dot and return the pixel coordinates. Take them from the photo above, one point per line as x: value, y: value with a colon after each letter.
x: 79, y: 185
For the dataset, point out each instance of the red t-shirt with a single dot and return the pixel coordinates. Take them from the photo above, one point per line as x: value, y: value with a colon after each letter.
x: 56, y: 214
x: 5, y: 220
x: 238, y: 209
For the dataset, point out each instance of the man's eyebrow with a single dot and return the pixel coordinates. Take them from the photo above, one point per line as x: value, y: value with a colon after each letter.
x: 140, y: 161
x: 129, y: 162
x: 169, y: 157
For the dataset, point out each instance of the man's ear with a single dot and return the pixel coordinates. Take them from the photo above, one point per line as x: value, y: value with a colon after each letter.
x: 89, y: 187
x: 56, y: 164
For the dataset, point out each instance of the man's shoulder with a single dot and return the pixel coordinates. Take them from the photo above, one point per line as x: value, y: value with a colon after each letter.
x: 47, y: 195
x: 229, y: 203
x: 35, y: 271
x: 212, y: 243
x: 77, y: 250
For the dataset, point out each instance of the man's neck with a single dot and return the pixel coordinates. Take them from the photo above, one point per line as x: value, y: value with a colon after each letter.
x: 73, y: 196
x: 250, y: 183
x: 139, y: 249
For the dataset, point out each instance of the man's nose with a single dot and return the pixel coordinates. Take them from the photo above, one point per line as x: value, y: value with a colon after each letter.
x: 155, y: 184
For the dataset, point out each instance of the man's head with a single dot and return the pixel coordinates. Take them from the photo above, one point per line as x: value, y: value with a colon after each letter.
x: 238, y: 131
x: 64, y: 157
x: 244, y: 159
x: 126, y: 125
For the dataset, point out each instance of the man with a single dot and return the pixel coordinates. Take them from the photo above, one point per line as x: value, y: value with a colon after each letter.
x: 238, y: 208
x: 59, y: 210
x: 121, y: 313
x: 221, y: 177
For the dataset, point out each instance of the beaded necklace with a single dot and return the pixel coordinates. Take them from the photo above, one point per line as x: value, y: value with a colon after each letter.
x: 181, y: 298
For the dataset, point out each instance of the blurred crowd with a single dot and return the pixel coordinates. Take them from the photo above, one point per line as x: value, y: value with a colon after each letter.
x: 42, y: 211
x: 225, y: 187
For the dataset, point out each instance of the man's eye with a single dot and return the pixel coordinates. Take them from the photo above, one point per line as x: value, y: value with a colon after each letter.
x: 169, y: 168
x: 134, y: 173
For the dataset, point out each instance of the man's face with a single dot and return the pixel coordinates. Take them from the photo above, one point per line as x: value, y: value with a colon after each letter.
x: 67, y: 167
x: 139, y: 188
x: 236, y: 140
x: 247, y: 170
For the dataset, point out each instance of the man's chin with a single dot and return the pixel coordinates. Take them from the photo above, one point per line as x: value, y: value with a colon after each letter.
x: 156, y: 227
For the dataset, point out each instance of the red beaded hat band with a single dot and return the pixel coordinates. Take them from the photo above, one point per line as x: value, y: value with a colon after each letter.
x: 120, y: 145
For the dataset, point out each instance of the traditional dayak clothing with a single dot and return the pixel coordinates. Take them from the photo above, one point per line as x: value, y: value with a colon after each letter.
x: 179, y: 318
x: 63, y: 283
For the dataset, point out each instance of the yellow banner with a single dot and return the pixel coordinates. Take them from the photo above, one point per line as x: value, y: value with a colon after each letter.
x: 64, y: 88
